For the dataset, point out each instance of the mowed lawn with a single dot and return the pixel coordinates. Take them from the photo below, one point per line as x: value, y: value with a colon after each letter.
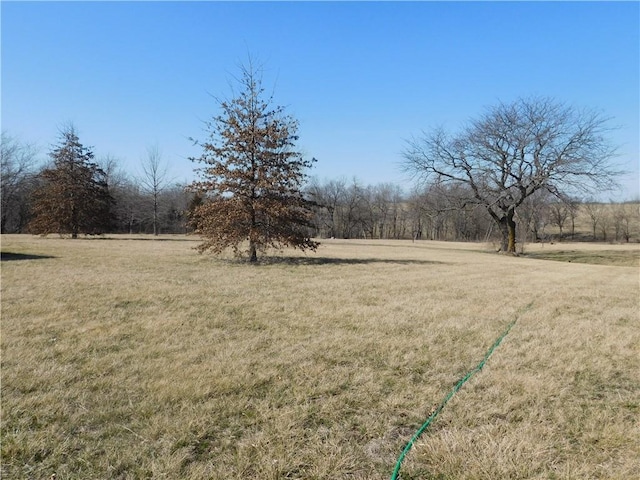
x: 135, y: 357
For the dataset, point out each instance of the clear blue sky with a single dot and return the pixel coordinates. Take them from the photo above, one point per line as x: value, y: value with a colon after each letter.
x: 361, y: 77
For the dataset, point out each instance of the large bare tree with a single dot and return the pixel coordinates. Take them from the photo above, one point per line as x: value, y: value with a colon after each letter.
x: 252, y: 176
x: 514, y: 150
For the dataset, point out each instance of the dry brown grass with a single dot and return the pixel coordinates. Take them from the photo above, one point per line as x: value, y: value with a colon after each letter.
x: 624, y: 255
x: 139, y: 358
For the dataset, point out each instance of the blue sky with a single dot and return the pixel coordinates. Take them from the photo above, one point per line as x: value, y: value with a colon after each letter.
x: 361, y: 77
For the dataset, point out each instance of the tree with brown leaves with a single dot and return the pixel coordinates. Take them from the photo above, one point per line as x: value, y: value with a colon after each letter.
x: 73, y: 196
x: 252, y: 177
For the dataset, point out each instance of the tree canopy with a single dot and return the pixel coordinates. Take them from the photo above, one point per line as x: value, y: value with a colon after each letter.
x: 72, y: 196
x: 252, y: 177
x: 515, y: 150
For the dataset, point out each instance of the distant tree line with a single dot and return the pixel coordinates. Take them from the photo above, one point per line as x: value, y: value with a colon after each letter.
x: 348, y: 209
x: 75, y: 193
x: 343, y: 208
x: 512, y: 175
x: 508, y: 174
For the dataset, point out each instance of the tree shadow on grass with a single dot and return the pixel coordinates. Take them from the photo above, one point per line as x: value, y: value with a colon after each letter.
x: 145, y: 239
x: 338, y: 261
x: 9, y: 256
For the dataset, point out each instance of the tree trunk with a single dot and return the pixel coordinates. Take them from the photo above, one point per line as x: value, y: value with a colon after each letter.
x: 504, y: 232
x: 155, y: 214
x: 508, y: 230
x: 511, y: 226
x: 74, y: 231
x: 253, y: 253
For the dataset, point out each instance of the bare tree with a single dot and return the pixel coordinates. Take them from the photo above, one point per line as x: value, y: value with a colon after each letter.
x: 329, y: 199
x: 176, y: 199
x: 16, y: 176
x: 129, y: 209
x: 154, y: 180
x: 605, y: 223
x: 623, y: 216
x: 398, y: 212
x: 595, y: 212
x: 334, y: 199
x: 114, y: 175
x: 353, y: 210
x: 533, y: 216
x: 514, y: 150
x: 559, y: 214
x: 383, y: 198
x: 573, y: 207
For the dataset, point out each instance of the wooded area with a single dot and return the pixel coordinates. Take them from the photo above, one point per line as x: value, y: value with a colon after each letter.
x: 346, y: 208
x: 520, y: 165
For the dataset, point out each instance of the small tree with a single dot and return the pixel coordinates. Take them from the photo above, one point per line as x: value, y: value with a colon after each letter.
x: 73, y: 196
x: 595, y: 211
x: 558, y: 214
x: 154, y: 180
x: 623, y: 214
x: 252, y: 177
x: 515, y: 150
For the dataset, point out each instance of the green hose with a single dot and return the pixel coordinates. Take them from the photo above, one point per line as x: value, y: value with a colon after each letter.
x: 437, y: 411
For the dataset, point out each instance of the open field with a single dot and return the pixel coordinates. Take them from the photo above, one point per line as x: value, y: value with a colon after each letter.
x: 128, y: 358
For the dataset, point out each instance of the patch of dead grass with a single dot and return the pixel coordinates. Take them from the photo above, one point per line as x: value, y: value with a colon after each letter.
x: 624, y: 255
x: 142, y: 359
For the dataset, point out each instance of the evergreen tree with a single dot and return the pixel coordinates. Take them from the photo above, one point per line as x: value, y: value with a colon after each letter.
x: 252, y: 177
x: 73, y: 196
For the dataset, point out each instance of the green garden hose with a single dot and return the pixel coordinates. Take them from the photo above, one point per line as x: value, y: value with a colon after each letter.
x: 457, y: 387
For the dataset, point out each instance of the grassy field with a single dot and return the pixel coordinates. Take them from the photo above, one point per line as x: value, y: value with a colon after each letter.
x: 128, y: 358
x: 593, y: 253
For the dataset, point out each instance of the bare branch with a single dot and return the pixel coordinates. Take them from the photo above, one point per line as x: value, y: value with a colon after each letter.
x: 514, y: 150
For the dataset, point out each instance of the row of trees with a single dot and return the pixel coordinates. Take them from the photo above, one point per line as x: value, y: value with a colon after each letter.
x: 341, y: 208
x: 76, y: 193
x: 348, y: 209
x: 512, y: 170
